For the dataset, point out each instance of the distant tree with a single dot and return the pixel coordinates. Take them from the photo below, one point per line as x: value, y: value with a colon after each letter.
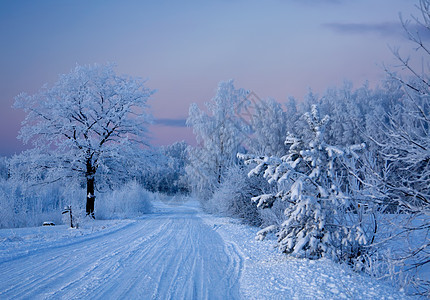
x: 219, y: 136
x: 269, y: 126
x: 291, y: 115
x: 177, y: 160
x: 155, y: 172
x: 164, y: 171
x: 89, y: 121
x: 346, y: 115
x: 4, y: 168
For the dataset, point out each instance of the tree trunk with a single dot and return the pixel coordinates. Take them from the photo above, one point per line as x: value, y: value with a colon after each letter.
x: 90, y: 189
x: 90, y: 197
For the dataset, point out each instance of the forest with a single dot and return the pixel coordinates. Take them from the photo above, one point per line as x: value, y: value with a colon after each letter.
x: 343, y: 175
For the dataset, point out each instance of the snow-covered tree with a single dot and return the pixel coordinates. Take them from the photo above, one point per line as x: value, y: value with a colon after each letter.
x: 404, y: 147
x: 219, y: 134
x: 308, y: 178
x: 165, y: 169
x: 291, y: 115
x: 87, y: 123
x: 268, y: 128
x: 4, y: 168
x: 177, y: 160
x: 347, y: 112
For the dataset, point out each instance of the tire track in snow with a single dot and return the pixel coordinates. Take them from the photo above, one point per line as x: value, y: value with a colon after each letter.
x: 101, y: 272
x: 170, y: 255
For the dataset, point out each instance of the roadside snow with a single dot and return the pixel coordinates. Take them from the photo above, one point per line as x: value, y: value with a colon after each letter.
x: 268, y: 274
x: 16, y: 242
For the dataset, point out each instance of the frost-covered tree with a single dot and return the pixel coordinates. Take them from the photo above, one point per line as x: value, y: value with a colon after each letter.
x: 291, y: 115
x: 347, y: 109
x: 219, y: 134
x: 404, y: 146
x: 4, y: 168
x: 308, y: 178
x: 165, y: 169
x: 269, y: 127
x: 177, y: 160
x: 87, y: 123
x: 231, y: 198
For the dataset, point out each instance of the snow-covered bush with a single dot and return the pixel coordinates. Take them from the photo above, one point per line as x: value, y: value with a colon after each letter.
x: 131, y: 200
x: 7, y: 214
x: 24, y: 206
x: 232, y: 197
x: 309, y: 179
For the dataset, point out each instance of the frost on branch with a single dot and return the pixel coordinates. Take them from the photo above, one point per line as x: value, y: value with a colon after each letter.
x: 308, y: 179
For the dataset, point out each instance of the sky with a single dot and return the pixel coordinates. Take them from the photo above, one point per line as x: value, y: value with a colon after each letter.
x: 276, y: 48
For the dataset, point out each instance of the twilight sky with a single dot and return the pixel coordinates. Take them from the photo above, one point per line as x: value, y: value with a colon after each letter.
x: 277, y: 48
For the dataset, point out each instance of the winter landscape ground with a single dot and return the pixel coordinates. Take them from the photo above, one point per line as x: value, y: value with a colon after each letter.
x: 176, y: 252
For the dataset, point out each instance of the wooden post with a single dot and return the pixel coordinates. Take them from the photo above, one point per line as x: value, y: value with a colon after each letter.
x: 68, y: 209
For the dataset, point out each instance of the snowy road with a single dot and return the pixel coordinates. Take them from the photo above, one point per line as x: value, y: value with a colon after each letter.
x: 170, y: 254
x: 177, y: 252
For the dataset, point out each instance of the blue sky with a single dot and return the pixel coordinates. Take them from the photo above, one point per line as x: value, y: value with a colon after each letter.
x: 277, y: 48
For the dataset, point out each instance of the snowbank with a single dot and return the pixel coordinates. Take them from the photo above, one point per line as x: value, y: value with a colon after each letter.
x: 268, y: 274
x: 130, y: 201
x: 15, y: 242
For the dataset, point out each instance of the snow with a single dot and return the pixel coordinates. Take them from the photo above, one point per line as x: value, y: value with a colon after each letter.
x: 268, y: 274
x: 177, y: 252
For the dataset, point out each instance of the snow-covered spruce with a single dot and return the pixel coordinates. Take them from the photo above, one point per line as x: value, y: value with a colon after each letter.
x: 320, y: 219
